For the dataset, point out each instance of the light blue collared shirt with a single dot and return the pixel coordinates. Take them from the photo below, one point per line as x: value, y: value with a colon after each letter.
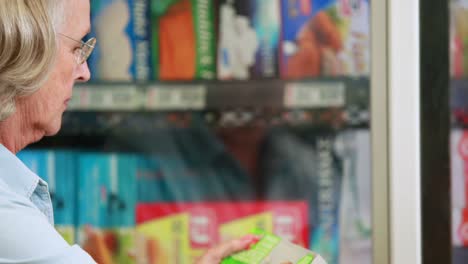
x: 27, y: 235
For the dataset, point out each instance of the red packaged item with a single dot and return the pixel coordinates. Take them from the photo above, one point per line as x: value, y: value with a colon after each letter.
x: 184, y: 231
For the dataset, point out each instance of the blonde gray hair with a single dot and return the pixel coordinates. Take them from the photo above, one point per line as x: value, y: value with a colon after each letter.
x: 28, y: 47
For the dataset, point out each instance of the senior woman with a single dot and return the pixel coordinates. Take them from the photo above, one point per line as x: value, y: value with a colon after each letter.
x: 42, y: 56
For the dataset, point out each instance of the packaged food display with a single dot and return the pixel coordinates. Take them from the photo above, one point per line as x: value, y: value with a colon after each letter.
x: 184, y: 231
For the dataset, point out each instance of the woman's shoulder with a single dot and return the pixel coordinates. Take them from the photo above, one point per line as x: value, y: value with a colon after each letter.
x: 28, y: 231
x: 10, y: 199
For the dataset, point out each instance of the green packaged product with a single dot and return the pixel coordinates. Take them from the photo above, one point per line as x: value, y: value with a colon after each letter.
x: 272, y: 249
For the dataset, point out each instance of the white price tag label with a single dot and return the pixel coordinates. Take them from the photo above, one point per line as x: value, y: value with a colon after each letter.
x: 80, y: 98
x: 314, y: 95
x: 176, y: 97
x: 112, y: 97
x: 126, y: 98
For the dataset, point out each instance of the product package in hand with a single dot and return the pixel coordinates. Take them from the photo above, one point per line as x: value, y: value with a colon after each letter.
x: 272, y: 249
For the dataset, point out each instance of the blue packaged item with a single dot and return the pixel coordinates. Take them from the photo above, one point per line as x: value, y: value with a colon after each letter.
x: 111, y: 180
x: 125, y: 189
x: 107, y: 201
x: 35, y: 160
x: 63, y: 169
x: 123, y: 45
x: 296, y: 13
x: 93, y: 189
x: 249, y: 36
x: 150, y: 180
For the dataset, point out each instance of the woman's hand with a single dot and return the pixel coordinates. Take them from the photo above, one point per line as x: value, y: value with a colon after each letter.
x: 216, y: 254
x: 95, y: 245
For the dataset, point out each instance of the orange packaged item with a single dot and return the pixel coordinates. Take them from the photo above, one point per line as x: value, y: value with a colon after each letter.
x: 183, y: 39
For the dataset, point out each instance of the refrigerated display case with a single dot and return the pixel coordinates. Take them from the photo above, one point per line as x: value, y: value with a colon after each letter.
x: 206, y: 119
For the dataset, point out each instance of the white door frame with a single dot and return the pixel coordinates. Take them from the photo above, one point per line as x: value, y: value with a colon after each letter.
x: 395, y: 128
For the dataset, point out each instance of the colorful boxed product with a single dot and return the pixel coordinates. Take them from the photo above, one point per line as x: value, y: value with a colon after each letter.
x: 248, y: 39
x: 106, y: 205
x: 183, y: 39
x: 184, y: 231
x: 324, y: 38
x: 58, y: 169
x: 123, y: 48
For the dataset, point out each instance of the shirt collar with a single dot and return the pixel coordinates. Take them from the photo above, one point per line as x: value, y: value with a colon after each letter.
x: 16, y: 175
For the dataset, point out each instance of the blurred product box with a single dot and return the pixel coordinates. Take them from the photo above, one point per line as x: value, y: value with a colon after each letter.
x: 123, y: 48
x: 184, y: 231
x: 106, y: 206
x: 355, y: 218
x: 324, y: 38
x: 459, y: 184
x: 168, y: 179
x: 58, y: 169
x: 183, y: 39
x: 458, y: 39
x: 150, y: 180
x: 459, y: 167
x: 248, y: 39
x: 460, y: 227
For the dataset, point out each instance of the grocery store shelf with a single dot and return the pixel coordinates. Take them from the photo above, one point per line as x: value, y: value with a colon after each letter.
x: 173, y: 96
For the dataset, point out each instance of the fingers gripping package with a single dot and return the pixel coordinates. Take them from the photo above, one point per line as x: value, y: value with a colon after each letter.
x: 272, y: 249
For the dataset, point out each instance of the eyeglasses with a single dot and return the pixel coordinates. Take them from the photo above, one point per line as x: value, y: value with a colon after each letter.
x: 84, y: 51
